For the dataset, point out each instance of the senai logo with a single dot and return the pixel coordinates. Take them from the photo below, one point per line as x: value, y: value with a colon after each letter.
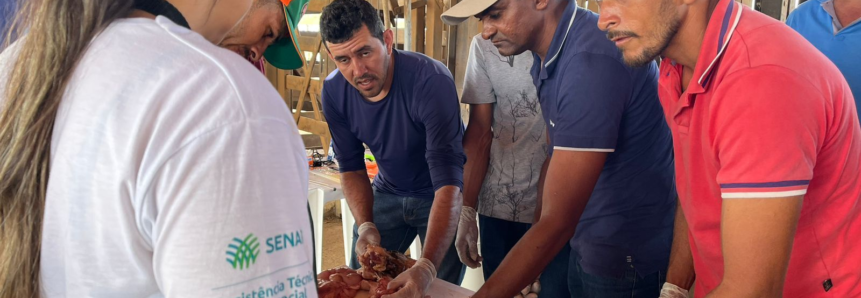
x: 242, y: 253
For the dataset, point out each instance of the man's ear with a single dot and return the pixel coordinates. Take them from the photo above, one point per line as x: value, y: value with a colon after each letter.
x: 542, y: 4
x: 389, y: 40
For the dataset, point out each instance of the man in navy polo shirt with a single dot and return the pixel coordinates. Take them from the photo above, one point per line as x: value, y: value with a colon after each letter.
x: 834, y: 28
x: 610, y: 174
x: 404, y: 106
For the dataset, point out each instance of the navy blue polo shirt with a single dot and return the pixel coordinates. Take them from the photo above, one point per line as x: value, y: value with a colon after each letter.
x: 592, y: 101
x: 415, y: 132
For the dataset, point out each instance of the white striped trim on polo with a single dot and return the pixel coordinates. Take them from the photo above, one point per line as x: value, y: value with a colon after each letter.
x: 773, y: 194
x: 584, y: 149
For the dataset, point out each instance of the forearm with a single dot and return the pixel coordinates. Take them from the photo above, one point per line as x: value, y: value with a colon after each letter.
x: 442, y: 224
x: 359, y: 195
x: 540, y: 186
x: 476, y: 145
x: 756, y: 241
x: 535, y: 250
x: 568, y: 193
x: 681, y: 267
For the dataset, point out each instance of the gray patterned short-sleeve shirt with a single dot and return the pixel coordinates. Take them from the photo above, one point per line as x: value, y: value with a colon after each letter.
x: 519, y: 143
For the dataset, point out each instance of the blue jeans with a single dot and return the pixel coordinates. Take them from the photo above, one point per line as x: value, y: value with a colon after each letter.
x: 631, y: 285
x: 498, y: 237
x: 399, y: 220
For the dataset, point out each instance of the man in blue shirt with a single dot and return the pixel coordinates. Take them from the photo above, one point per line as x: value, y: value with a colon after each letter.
x: 834, y: 27
x: 404, y: 106
x: 608, y: 186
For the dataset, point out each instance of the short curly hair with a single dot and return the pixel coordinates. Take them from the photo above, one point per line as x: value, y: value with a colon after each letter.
x: 342, y: 18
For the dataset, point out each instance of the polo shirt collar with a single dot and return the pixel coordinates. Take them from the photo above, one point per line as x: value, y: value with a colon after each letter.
x: 720, y: 29
x: 828, y: 6
x: 559, y: 37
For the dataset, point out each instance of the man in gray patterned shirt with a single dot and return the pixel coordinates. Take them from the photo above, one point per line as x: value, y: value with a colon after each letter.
x: 506, y: 145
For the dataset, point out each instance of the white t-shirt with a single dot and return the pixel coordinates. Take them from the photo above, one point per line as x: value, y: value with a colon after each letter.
x: 176, y: 171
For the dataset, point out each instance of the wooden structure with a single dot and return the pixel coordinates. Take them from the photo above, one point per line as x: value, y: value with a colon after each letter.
x: 419, y: 22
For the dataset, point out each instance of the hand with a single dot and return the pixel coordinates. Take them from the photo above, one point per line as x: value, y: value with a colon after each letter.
x: 415, y: 281
x: 368, y: 234
x: 467, y: 238
x: 673, y: 291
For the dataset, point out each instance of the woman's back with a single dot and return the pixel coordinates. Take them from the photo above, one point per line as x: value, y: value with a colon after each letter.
x: 176, y: 170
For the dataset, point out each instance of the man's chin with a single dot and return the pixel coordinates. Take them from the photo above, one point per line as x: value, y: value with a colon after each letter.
x: 637, y: 59
x: 506, y: 51
x: 370, y: 93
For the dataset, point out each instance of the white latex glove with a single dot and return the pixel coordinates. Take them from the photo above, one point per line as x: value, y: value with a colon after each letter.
x: 467, y: 238
x: 415, y: 281
x: 368, y: 234
x: 673, y: 291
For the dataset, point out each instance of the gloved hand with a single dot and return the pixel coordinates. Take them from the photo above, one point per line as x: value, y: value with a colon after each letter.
x: 467, y: 238
x: 368, y: 234
x: 673, y: 291
x: 415, y: 281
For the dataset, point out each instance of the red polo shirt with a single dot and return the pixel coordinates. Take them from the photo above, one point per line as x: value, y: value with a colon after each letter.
x: 766, y: 115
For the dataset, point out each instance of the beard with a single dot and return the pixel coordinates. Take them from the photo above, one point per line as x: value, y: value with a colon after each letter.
x: 666, y: 31
x: 374, y: 80
x: 648, y: 54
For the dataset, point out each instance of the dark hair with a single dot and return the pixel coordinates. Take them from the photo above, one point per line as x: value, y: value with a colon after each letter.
x: 342, y: 18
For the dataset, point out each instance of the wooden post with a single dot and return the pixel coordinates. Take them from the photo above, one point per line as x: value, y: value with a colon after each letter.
x: 408, y: 27
x: 419, y: 28
x: 451, y: 47
x: 434, y: 26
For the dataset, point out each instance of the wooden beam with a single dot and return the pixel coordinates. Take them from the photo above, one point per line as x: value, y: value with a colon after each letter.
x: 307, y: 82
x: 433, y: 44
x: 314, y: 126
x: 316, y: 6
x: 419, y: 29
x: 593, y: 6
x: 295, y: 83
x: 451, y: 46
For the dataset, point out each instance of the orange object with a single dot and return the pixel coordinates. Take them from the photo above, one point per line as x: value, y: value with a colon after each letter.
x: 372, y: 169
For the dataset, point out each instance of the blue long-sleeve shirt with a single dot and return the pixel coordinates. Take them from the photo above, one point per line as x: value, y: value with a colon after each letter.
x: 415, y: 132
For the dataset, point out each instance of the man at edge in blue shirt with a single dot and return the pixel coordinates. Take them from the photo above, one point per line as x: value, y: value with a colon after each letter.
x: 404, y: 106
x: 608, y: 186
x: 834, y: 28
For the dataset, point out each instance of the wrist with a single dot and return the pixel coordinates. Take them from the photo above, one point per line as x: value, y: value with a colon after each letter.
x: 427, y: 265
x: 366, y: 226
x: 680, y: 280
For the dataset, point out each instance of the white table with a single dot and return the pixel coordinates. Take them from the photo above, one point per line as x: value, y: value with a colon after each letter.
x: 325, y: 187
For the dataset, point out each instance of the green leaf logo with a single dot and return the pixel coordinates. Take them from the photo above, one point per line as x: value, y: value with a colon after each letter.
x: 242, y: 253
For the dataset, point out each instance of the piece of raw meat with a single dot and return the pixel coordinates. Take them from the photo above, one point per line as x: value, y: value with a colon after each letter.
x: 339, y: 282
x: 377, y: 263
x: 381, y: 288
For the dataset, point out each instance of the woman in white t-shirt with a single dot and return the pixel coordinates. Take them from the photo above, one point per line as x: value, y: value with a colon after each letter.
x: 137, y: 159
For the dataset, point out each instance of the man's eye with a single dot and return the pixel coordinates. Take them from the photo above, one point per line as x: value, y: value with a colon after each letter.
x: 269, y: 33
x: 494, y: 16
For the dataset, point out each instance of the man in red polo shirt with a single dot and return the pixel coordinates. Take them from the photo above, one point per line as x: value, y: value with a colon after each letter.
x: 767, y: 145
